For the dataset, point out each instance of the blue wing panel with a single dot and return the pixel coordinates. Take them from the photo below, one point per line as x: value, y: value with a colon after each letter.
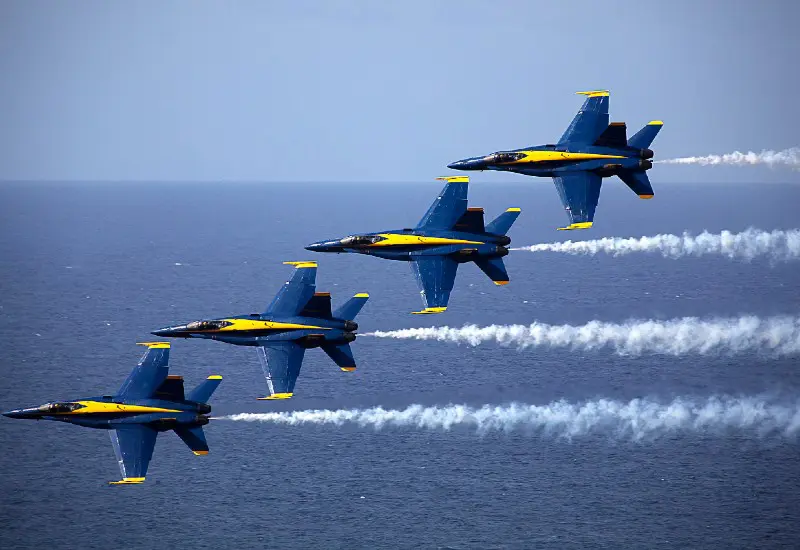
x: 448, y: 207
x: 147, y: 376
x: 590, y: 122
x: 435, y: 276
x: 579, y: 192
x: 296, y: 292
x: 281, y: 362
x: 133, y: 446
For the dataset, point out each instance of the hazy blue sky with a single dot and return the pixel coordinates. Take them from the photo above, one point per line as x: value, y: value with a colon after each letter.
x: 380, y: 91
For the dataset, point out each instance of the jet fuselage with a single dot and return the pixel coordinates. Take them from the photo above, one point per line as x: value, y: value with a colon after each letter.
x: 257, y: 329
x: 553, y: 160
x: 110, y: 413
x: 408, y: 244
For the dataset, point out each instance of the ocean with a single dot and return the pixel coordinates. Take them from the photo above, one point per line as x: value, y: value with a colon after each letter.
x: 88, y: 269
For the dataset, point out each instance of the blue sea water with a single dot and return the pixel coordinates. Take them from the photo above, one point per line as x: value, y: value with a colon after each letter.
x: 87, y: 270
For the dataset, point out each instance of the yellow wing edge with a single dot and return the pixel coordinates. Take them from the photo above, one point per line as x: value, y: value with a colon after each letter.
x: 594, y: 93
x: 450, y: 179
x: 430, y: 310
x: 580, y: 225
x: 300, y: 265
x: 127, y: 481
x: 275, y: 396
x: 156, y: 345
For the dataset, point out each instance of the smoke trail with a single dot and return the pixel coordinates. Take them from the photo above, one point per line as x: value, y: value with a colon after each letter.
x: 750, y: 244
x: 637, y: 419
x: 776, y: 335
x: 787, y: 157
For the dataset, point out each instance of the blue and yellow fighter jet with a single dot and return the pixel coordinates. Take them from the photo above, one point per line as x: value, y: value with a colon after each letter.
x: 150, y: 401
x: 590, y: 149
x: 449, y: 234
x: 297, y: 319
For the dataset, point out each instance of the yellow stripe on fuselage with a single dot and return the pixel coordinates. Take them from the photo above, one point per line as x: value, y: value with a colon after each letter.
x: 550, y: 156
x: 100, y: 407
x: 394, y: 239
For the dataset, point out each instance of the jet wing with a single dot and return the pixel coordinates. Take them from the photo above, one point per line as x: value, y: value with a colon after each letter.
x: 435, y: 276
x: 133, y: 446
x: 296, y: 292
x: 449, y: 206
x: 281, y: 362
x: 590, y: 122
x: 579, y: 192
x: 149, y: 374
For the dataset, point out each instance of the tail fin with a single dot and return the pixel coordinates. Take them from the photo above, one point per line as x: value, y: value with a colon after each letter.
x: 495, y: 269
x: 502, y: 223
x: 194, y: 438
x: 638, y: 182
x: 644, y: 137
x: 342, y: 355
x: 351, y: 308
x: 202, y: 393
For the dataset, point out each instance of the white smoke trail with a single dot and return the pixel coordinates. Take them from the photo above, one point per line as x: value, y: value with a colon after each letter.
x: 637, y: 419
x: 787, y: 157
x: 750, y: 244
x: 774, y: 335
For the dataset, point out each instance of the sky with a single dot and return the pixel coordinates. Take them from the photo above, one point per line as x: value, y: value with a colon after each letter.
x: 381, y: 91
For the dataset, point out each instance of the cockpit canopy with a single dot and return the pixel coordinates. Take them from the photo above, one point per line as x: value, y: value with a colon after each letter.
x: 501, y: 157
x: 361, y: 240
x: 207, y: 325
x: 57, y: 408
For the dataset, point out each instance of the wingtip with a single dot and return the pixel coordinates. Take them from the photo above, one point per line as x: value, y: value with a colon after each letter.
x: 127, y: 481
x: 452, y: 179
x: 276, y: 396
x: 514, y: 209
x: 214, y: 377
x: 151, y: 345
x: 573, y: 226
x: 347, y: 369
x: 594, y: 93
x: 501, y: 283
x: 430, y: 311
x: 361, y: 295
x: 200, y: 453
x: 656, y: 123
x: 301, y: 264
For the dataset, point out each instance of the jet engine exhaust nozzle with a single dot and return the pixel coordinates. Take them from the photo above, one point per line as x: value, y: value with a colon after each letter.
x: 350, y: 326
x: 645, y: 164
x: 646, y: 153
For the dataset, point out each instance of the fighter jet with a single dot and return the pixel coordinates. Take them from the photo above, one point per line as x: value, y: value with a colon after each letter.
x: 449, y: 234
x: 590, y: 149
x: 296, y: 320
x: 148, y: 402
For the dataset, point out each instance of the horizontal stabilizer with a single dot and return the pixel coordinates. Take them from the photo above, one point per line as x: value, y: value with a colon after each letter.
x: 644, y: 137
x: 194, y: 438
x: 352, y: 307
x: 615, y: 135
x: 638, y: 182
x: 203, y: 392
x: 319, y: 306
x: 342, y: 355
x: 495, y: 269
x: 502, y: 223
